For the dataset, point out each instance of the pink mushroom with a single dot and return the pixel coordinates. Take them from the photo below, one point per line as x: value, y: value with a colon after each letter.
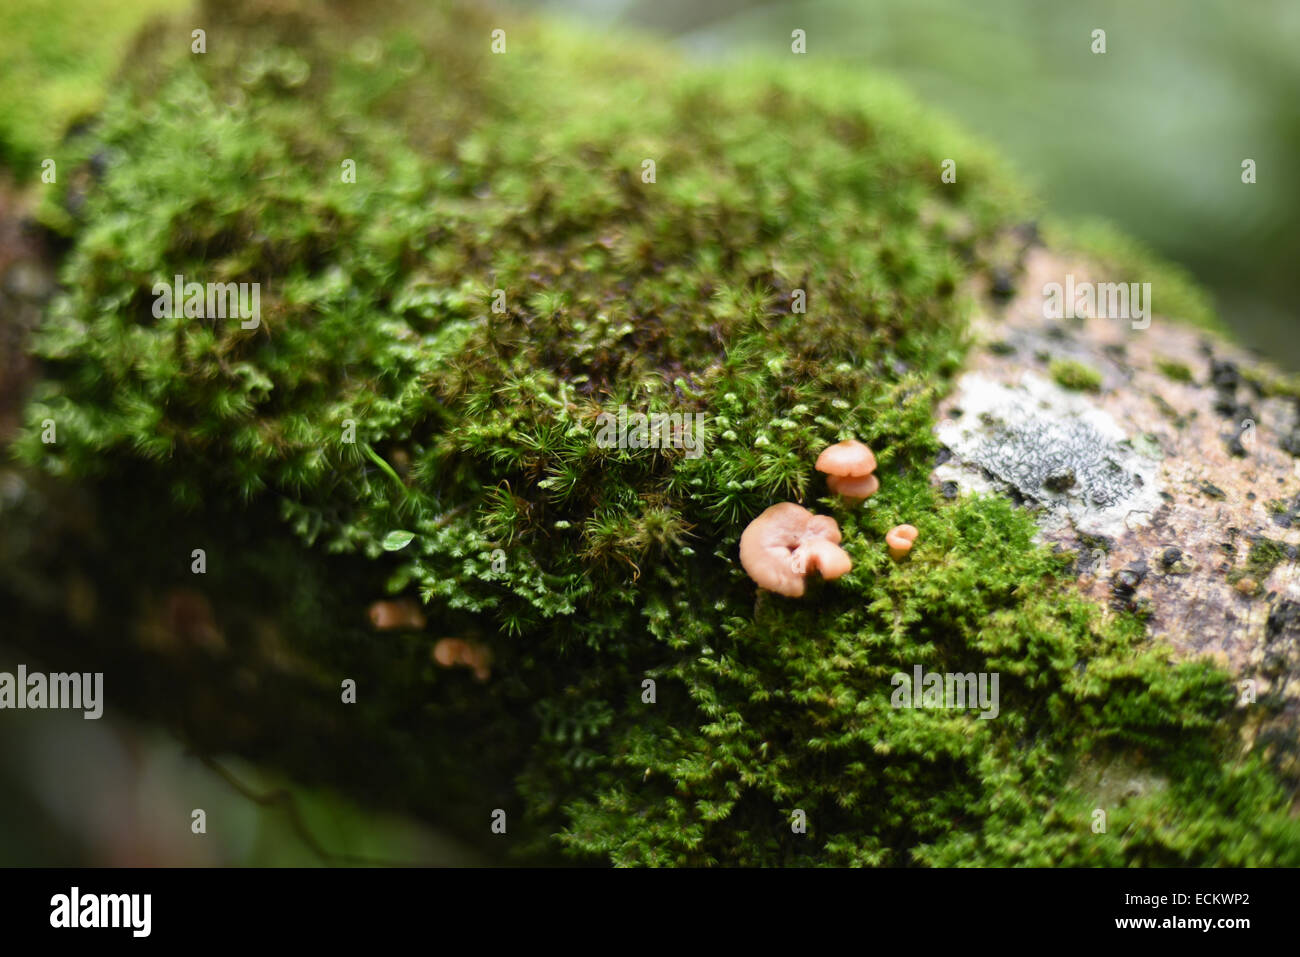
x: 450, y: 652
x: 786, y: 543
x: 899, y: 540
x: 401, y: 613
x: 848, y: 466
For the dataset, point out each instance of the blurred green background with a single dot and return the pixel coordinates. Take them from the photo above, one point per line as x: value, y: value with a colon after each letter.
x: 1149, y: 135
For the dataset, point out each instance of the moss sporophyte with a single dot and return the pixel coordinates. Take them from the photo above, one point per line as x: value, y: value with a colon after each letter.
x: 581, y: 566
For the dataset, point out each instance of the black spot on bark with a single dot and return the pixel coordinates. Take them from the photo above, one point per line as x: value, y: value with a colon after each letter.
x: 1284, y: 619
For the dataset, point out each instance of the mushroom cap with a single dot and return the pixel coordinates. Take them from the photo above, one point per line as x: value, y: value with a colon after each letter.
x: 785, y: 543
x: 479, y: 659
x: 386, y: 614
x: 858, y: 488
x: 450, y: 651
x: 403, y: 613
x: 829, y: 559
x: 823, y: 526
x: 849, y: 458
x: 900, y: 539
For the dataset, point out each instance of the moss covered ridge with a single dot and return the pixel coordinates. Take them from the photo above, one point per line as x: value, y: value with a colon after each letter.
x: 589, y: 569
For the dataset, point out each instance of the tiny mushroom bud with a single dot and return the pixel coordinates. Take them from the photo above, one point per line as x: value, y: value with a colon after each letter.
x: 848, y: 466
x: 403, y: 613
x: 479, y: 659
x: 450, y: 652
x: 900, y: 540
x: 786, y: 543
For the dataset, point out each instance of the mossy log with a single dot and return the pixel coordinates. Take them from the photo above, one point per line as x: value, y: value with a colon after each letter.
x: 532, y: 239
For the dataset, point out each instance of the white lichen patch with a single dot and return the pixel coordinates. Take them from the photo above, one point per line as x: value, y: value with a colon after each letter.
x: 1053, y: 447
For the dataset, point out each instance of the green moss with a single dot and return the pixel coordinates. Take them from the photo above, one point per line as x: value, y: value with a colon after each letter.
x: 58, y: 59
x: 1271, y: 383
x: 1264, y: 555
x: 1074, y: 375
x: 1177, y: 371
x: 591, y: 569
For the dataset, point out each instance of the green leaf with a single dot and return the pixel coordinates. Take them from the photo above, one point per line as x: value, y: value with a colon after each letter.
x: 399, y: 580
x: 396, y: 540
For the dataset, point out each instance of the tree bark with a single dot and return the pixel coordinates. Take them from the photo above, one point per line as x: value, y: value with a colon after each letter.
x: 1166, y: 461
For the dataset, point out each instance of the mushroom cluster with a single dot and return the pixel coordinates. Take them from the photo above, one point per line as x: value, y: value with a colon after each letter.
x: 786, y: 543
x: 848, y: 466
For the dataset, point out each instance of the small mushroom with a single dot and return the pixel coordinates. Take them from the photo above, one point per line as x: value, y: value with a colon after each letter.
x: 848, y: 466
x: 899, y: 540
x: 480, y: 660
x: 856, y: 489
x: 403, y: 613
x: 786, y: 543
x: 450, y: 652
